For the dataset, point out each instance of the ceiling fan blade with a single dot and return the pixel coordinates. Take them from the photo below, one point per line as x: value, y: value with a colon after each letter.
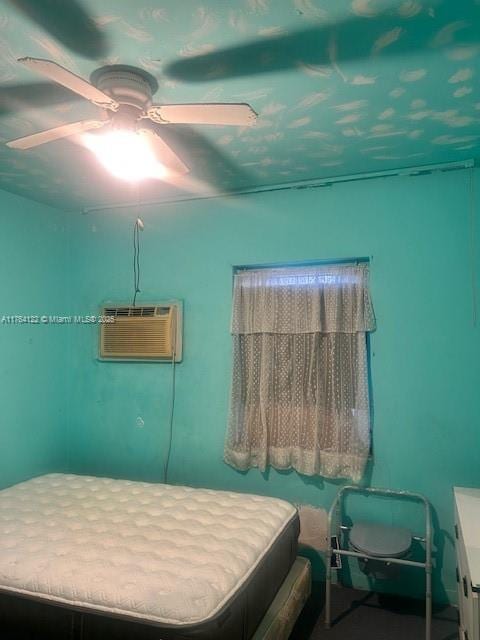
x: 63, y: 131
x: 165, y: 154
x: 325, y: 46
x: 210, y: 165
x: 17, y: 97
x: 67, y: 22
x: 239, y: 115
x: 68, y: 79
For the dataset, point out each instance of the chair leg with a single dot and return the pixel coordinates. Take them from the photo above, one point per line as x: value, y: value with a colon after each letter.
x: 428, y: 603
x: 328, y: 585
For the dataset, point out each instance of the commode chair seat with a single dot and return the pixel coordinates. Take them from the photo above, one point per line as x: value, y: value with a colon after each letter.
x: 380, y: 541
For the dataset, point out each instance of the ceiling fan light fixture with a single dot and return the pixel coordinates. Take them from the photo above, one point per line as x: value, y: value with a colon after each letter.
x: 126, y: 154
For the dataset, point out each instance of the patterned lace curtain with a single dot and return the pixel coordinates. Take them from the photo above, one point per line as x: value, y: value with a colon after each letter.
x: 299, y: 394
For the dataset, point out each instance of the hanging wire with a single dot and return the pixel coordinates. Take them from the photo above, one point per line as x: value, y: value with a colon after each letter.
x: 136, y: 260
x: 137, y: 227
x: 172, y: 403
x: 136, y: 247
x: 170, y: 430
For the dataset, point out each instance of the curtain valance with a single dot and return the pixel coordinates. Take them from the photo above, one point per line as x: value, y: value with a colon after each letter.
x: 333, y: 299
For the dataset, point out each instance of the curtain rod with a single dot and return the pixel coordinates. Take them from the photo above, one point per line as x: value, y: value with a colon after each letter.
x: 286, y: 186
x: 323, y: 262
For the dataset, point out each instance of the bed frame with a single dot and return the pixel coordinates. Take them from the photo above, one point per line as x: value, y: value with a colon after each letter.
x: 20, y: 617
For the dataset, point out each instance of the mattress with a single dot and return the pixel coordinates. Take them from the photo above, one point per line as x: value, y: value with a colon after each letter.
x: 197, y: 563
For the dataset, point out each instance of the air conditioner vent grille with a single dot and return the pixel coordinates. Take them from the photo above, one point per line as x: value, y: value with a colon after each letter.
x: 117, y: 312
x: 150, y: 332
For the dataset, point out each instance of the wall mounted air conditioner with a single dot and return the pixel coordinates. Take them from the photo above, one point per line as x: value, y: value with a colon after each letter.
x: 150, y: 332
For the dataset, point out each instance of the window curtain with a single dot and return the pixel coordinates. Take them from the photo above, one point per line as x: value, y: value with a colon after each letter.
x: 299, y: 396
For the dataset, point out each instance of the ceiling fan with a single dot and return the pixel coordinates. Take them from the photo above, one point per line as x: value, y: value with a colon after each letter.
x: 124, y: 95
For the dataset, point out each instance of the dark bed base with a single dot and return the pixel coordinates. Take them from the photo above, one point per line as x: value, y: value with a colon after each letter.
x: 22, y: 618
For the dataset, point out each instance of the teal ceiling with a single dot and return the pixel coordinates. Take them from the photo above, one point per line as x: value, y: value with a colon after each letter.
x: 340, y: 86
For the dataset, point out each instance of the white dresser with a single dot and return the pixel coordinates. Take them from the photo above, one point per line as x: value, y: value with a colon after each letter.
x: 467, y: 543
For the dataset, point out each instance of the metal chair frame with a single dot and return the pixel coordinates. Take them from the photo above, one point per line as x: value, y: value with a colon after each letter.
x: 336, y: 510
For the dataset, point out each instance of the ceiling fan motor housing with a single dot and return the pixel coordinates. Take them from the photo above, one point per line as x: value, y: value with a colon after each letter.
x: 132, y: 88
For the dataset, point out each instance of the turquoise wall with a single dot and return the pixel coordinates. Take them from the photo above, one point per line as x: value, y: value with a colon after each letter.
x: 33, y: 361
x: 425, y: 352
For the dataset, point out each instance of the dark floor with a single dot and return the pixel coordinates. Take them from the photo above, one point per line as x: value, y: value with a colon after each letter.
x: 360, y: 615
x: 356, y: 615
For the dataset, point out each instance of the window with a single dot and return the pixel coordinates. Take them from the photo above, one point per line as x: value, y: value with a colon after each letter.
x: 300, y: 393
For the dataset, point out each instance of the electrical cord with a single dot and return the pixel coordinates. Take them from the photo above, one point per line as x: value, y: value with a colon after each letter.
x: 172, y: 406
x: 170, y: 434
x: 136, y: 260
x: 137, y: 227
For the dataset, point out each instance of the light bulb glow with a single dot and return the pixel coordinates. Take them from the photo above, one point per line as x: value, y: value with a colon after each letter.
x: 126, y: 154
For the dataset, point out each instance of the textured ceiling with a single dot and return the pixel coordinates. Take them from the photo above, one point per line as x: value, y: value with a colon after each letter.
x: 340, y: 86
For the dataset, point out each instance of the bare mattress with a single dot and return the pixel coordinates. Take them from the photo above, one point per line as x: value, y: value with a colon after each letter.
x: 196, y: 563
